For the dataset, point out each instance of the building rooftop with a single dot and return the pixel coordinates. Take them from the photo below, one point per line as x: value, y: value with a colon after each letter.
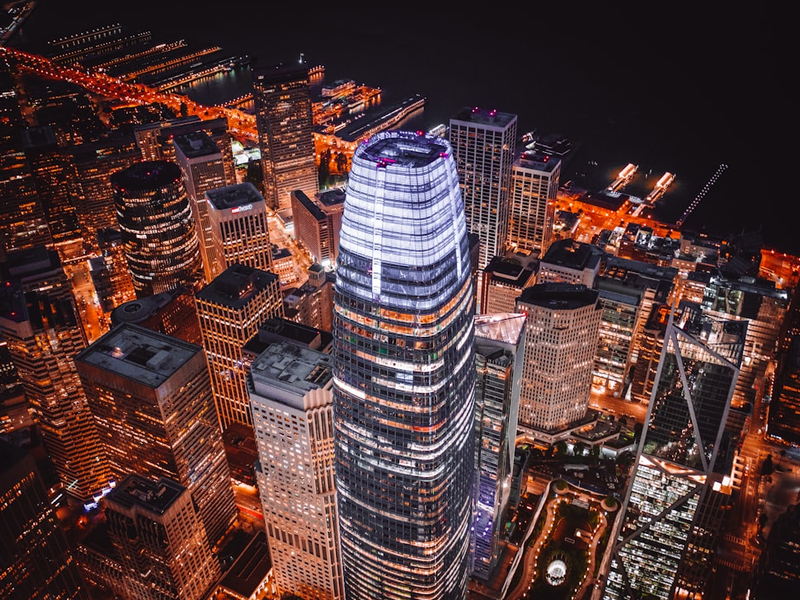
x: 558, y: 295
x: 500, y: 327
x: 234, y: 196
x: 403, y: 148
x: 285, y: 366
x: 236, y: 286
x: 140, y: 354
x: 29, y: 261
x: 484, y: 116
x: 141, y: 309
x: 154, y: 496
x: 195, y: 144
x: 146, y: 176
x: 539, y: 161
x: 250, y: 569
x: 572, y: 254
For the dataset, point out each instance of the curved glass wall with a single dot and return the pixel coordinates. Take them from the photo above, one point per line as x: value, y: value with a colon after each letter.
x: 404, y: 372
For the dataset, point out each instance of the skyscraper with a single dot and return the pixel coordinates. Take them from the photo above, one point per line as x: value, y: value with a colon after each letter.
x: 237, y: 216
x: 563, y: 325
x: 484, y: 143
x: 317, y: 222
x: 679, y: 457
x: 160, y: 542
x: 534, y: 187
x: 157, y: 227
x: 36, y: 560
x: 202, y: 167
x: 404, y: 373
x: 499, y: 350
x: 151, y: 397
x: 292, y: 400
x: 284, y: 121
x: 230, y: 309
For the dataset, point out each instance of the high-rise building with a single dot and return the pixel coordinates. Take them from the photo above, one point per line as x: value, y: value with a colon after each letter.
x: 173, y: 313
x: 37, y: 563
x: 679, y: 461
x: 157, y: 227
x: 151, y: 397
x: 784, y: 408
x: 499, y: 349
x: 292, y: 401
x: 534, y: 187
x: 159, y: 540
x: 570, y: 261
x: 39, y: 323
x: 563, y: 326
x: 111, y: 279
x: 230, y: 309
x: 282, y: 98
x: 317, y: 223
x: 484, y: 147
x: 404, y: 373
x: 201, y: 164
x: 237, y: 216
x: 503, y: 280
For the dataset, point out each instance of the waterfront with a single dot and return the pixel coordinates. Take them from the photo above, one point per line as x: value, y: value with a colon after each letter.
x: 626, y: 88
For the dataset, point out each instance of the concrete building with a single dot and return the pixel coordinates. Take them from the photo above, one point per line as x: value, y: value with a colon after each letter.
x: 317, y: 223
x: 534, y: 187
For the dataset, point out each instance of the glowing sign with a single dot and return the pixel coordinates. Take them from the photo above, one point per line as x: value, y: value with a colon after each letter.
x: 242, y: 208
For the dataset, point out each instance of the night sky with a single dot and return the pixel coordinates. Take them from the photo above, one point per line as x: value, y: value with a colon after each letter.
x: 708, y: 87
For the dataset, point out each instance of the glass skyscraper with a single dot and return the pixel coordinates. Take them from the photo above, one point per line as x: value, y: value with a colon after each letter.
x: 681, y: 456
x: 404, y: 373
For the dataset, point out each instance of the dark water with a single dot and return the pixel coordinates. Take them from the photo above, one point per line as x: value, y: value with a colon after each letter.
x: 667, y: 91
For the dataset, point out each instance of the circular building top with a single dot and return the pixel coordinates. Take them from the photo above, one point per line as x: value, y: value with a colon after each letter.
x: 146, y: 175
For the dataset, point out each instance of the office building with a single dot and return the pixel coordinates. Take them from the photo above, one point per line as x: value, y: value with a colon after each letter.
x: 155, y: 140
x: 675, y: 476
x: 404, y: 373
x: 499, y: 349
x: 312, y: 303
x: 292, y: 401
x: 173, y: 313
x: 484, y: 148
x: 237, y: 217
x: 111, y: 279
x: 202, y: 167
x: 230, y: 309
x: 317, y: 223
x: 570, y: 261
x: 282, y: 98
x: 157, y: 227
x: 784, y: 408
x: 151, y: 397
x: 563, y: 327
x: 503, y: 280
x: 37, y: 563
x: 39, y: 323
x: 160, y: 541
x: 534, y: 187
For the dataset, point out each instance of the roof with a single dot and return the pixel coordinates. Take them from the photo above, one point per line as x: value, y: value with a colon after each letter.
x: 484, y: 116
x: 558, y: 295
x: 250, y: 569
x: 154, y: 496
x: 236, y: 286
x: 231, y: 196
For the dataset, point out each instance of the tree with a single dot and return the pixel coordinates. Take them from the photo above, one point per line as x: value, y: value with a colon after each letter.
x: 561, y: 448
x: 579, y: 449
x: 767, y: 467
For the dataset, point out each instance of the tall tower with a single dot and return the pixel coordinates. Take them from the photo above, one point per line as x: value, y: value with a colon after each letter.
x: 293, y: 416
x: 160, y: 541
x: 152, y: 401
x: 680, y: 457
x: 230, y: 309
x: 534, y: 187
x: 39, y: 322
x: 484, y: 143
x: 37, y: 562
x: 282, y: 98
x: 237, y: 217
x: 404, y: 373
x: 563, y: 326
x: 499, y: 350
x: 317, y: 223
x: 158, y: 230
x: 201, y: 164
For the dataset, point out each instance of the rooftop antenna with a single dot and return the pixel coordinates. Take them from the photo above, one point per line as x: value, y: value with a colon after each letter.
x: 302, y: 58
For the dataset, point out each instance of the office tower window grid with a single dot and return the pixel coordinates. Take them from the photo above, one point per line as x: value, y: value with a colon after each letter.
x: 404, y: 373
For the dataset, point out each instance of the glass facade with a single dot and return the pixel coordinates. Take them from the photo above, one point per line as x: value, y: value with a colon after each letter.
x: 404, y: 373
x: 680, y: 448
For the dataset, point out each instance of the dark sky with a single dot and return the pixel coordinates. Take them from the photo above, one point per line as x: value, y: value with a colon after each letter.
x: 688, y: 78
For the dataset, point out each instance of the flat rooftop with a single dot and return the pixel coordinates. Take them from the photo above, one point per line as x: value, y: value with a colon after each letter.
x: 154, y: 496
x: 539, y: 161
x: 484, y: 116
x: 236, y: 195
x: 572, y: 254
x: 236, y: 286
x: 291, y: 367
x: 140, y: 354
x: 250, y: 569
x: 558, y: 295
x: 403, y: 148
x: 196, y: 144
